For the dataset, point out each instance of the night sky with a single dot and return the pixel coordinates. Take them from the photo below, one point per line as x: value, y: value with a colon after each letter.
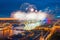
x: 8, y: 6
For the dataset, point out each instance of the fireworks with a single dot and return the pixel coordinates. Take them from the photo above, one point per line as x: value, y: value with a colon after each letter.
x: 30, y: 14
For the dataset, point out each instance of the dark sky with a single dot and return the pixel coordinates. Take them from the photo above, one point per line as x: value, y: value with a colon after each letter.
x: 8, y: 6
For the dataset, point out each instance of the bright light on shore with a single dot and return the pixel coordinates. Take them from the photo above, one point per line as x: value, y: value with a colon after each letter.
x: 19, y: 16
x: 41, y: 16
x: 30, y: 16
